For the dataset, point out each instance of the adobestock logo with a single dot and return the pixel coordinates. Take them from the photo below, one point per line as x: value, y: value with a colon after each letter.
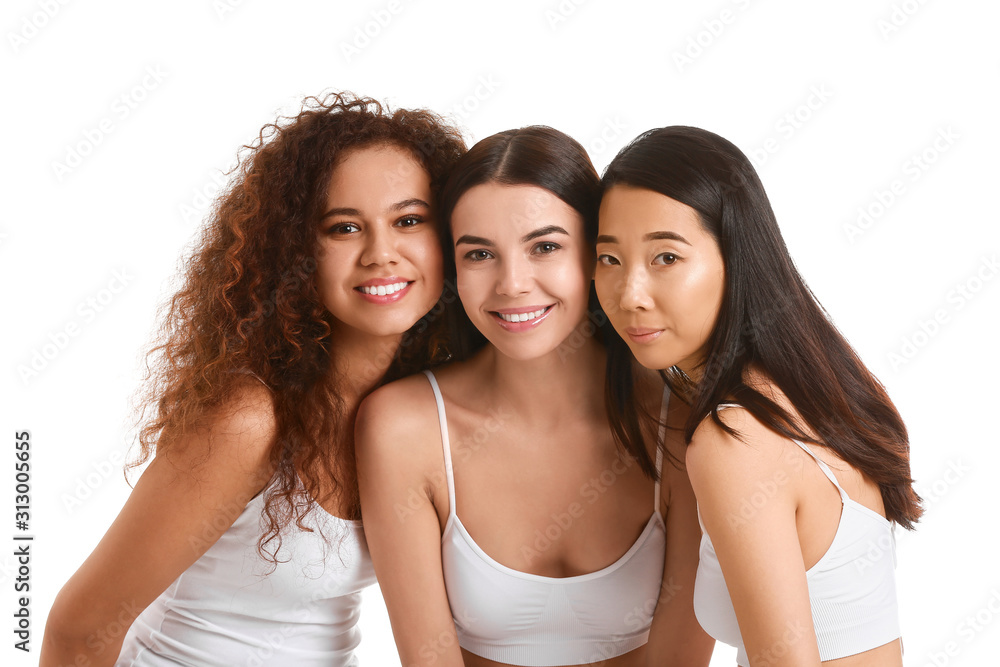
x: 370, y: 30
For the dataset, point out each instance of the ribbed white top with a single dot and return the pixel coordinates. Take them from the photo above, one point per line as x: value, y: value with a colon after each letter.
x: 525, y: 619
x: 852, y: 588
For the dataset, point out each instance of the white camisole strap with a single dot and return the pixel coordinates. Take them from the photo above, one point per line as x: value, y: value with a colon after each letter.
x: 822, y: 465
x: 445, y: 442
x: 661, y: 433
x: 826, y: 470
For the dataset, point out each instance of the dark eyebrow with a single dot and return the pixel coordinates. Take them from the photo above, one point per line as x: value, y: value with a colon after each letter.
x: 665, y: 236
x: 341, y: 211
x: 398, y: 206
x: 652, y: 236
x: 551, y: 229
x: 473, y: 240
x: 479, y: 240
x: 407, y: 203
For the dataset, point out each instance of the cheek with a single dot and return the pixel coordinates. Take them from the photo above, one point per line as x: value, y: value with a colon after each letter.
x: 327, y: 263
x: 431, y: 262
x: 703, y: 299
x: 470, y: 285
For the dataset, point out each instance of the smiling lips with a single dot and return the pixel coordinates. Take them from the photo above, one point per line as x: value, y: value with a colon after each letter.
x: 521, y: 319
x: 384, y: 290
x: 643, y: 334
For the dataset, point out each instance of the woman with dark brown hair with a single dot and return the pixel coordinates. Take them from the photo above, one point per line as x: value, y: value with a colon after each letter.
x: 506, y: 526
x: 318, y: 278
x: 798, y: 459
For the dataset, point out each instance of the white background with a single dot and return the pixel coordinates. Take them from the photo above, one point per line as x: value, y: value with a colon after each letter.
x: 869, y: 86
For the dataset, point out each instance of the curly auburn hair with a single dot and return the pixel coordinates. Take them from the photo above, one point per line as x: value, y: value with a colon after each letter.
x: 249, y: 305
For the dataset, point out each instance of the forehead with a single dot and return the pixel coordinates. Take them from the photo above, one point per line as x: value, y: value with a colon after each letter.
x: 377, y: 174
x: 496, y: 210
x: 625, y: 208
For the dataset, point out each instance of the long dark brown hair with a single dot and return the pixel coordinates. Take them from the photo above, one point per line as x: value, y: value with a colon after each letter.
x: 769, y: 321
x: 535, y: 155
x: 249, y: 304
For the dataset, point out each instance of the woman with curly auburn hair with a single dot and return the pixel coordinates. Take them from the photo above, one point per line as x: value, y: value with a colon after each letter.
x: 318, y: 278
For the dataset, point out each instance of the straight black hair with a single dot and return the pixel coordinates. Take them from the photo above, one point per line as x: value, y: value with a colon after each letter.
x: 769, y: 321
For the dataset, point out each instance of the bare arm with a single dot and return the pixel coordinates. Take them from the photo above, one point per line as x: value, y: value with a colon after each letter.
x: 184, y: 501
x: 397, y: 441
x: 760, y: 554
x: 675, y: 636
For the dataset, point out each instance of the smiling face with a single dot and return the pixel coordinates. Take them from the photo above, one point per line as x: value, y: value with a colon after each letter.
x: 660, y: 276
x: 523, y: 266
x: 379, y: 261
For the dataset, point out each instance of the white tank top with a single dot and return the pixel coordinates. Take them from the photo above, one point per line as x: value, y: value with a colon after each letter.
x: 226, y: 610
x: 852, y: 588
x: 525, y: 619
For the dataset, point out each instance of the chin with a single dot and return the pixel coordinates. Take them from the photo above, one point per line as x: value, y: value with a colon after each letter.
x: 652, y: 359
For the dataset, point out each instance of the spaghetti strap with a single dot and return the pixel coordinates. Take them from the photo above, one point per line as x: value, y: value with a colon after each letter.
x: 664, y: 402
x: 822, y: 466
x: 826, y: 470
x: 445, y: 442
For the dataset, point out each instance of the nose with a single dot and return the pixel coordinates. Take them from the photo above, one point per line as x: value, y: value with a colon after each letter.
x: 635, y: 293
x: 515, y: 277
x: 380, y: 247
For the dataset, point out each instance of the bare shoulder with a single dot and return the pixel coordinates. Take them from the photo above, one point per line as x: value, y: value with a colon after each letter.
x: 399, y: 420
x: 237, y: 436
x: 719, y: 460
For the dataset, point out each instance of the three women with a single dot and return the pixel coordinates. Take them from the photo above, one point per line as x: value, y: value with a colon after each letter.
x: 507, y: 527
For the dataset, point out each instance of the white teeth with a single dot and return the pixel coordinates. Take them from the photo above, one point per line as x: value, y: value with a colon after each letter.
x: 521, y: 317
x: 382, y: 290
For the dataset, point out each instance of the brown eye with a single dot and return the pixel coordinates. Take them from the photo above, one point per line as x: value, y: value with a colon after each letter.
x: 667, y: 258
x: 343, y: 228
x: 477, y: 255
x: 409, y: 221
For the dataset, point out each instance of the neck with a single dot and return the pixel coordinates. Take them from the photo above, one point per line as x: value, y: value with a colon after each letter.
x: 360, y: 360
x: 556, y: 387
